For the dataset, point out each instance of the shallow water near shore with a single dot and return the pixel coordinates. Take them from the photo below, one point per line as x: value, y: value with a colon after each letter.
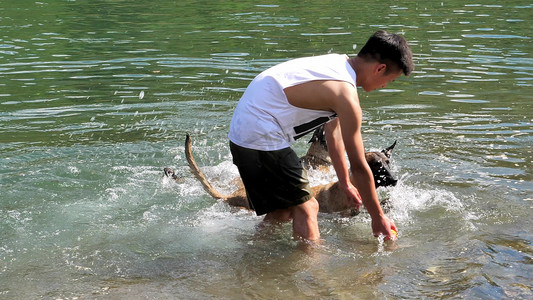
x: 96, y: 98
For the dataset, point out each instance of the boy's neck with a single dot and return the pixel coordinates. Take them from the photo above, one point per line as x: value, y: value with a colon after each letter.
x: 356, y: 63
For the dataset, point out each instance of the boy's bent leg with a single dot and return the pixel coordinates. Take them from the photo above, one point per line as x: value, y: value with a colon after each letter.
x: 305, y: 220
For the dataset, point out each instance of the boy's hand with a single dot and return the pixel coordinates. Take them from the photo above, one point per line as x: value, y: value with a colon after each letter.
x: 352, y: 195
x: 384, y: 226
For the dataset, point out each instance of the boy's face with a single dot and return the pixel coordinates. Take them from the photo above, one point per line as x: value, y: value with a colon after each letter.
x: 380, y: 78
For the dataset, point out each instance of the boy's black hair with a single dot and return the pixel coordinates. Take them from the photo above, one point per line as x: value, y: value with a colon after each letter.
x: 389, y: 48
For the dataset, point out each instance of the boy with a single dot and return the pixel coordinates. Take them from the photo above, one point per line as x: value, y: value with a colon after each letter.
x: 290, y: 100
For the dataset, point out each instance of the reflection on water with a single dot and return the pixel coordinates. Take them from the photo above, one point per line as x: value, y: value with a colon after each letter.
x: 96, y: 98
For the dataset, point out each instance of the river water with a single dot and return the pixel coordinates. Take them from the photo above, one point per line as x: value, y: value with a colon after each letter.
x: 96, y: 98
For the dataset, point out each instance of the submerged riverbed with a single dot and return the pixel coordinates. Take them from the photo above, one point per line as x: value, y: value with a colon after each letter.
x: 96, y: 98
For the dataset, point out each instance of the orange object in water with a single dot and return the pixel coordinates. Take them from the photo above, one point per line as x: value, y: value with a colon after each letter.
x: 393, y: 236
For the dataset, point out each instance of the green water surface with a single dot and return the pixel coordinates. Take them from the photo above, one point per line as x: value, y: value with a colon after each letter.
x: 96, y: 98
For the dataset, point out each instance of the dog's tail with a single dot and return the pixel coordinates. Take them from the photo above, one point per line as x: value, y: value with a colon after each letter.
x: 198, y: 173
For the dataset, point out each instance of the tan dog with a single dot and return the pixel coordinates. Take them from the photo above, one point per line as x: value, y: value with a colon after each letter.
x: 330, y: 196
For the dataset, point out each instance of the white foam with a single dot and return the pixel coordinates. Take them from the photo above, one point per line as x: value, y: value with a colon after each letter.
x: 407, y: 200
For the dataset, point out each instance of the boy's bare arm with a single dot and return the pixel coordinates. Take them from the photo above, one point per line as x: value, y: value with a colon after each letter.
x: 350, y: 116
x: 337, y: 151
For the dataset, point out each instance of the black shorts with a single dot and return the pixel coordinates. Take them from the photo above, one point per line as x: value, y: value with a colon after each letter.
x: 273, y: 179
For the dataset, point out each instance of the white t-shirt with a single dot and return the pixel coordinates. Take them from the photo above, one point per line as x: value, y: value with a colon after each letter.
x: 265, y: 120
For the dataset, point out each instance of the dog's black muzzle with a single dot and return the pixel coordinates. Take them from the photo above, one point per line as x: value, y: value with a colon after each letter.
x: 384, y: 177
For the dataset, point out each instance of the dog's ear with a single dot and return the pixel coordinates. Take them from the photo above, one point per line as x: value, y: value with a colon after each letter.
x: 388, y: 151
x: 319, y: 135
x: 315, y: 137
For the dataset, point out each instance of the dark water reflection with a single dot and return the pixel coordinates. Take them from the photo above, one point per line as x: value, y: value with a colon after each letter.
x: 96, y: 97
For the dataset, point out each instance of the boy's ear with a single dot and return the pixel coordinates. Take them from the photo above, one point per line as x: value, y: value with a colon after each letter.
x: 381, y: 68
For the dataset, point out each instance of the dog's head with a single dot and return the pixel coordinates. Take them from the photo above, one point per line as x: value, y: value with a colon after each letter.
x: 379, y: 163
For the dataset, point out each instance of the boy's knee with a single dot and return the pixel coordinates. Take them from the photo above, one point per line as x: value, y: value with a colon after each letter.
x: 309, y: 207
x: 280, y: 215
